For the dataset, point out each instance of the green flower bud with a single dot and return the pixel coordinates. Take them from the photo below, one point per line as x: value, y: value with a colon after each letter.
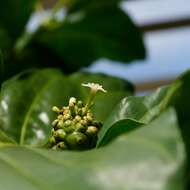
x: 54, y: 123
x: 80, y: 104
x: 60, y: 124
x: 68, y: 123
x: 66, y: 111
x: 83, y: 111
x: 77, y: 118
x: 77, y: 140
x: 69, y: 129
x: 52, y: 131
x: 60, y: 133
x: 67, y: 116
x: 79, y: 112
x: 52, y: 140
x: 89, y: 118
x: 61, y: 146
x: 91, y: 130
x: 56, y: 109
x: 60, y: 117
x: 80, y: 128
x: 83, y: 122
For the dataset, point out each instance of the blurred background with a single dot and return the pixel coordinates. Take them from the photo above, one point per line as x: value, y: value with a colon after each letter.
x: 166, y: 28
x: 165, y: 25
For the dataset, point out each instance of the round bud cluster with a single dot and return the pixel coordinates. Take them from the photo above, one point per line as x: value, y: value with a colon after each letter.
x: 74, y: 128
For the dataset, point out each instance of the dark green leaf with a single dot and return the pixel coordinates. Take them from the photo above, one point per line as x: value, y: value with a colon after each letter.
x: 14, y: 15
x: 99, y: 32
x: 150, y: 158
x: 27, y: 99
x: 144, y: 109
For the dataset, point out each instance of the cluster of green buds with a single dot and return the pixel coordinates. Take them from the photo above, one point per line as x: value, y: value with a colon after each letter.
x: 75, y: 127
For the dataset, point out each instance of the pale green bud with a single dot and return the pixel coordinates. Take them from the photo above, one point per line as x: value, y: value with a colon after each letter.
x: 60, y: 133
x: 61, y: 146
x: 60, y: 117
x: 77, y: 118
x: 79, y: 104
x: 79, y: 127
x: 52, y: 140
x: 77, y: 140
x: 54, y: 123
x: 60, y: 124
x: 56, y: 109
x: 68, y: 123
x: 89, y: 118
x: 83, y: 122
x: 52, y: 131
x: 67, y: 116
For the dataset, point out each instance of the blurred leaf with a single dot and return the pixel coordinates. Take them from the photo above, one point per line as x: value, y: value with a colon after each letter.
x: 150, y: 158
x: 4, y: 39
x: 14, y: 15
x: 101, y: 31
x: 26, y: 101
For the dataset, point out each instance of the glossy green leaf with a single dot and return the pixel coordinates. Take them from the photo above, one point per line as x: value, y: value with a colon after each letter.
x: 142, y: 160
x: 132, y: 112
x: 14, y: 15
x: 26, y: 101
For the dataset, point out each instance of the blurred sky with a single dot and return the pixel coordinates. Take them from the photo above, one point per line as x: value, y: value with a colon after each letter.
x: 168, y: 50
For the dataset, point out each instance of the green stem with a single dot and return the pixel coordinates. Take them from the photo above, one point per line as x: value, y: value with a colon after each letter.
x: 90, y: 100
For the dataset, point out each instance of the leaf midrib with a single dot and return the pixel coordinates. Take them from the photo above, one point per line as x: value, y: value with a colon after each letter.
x: 29, y: 112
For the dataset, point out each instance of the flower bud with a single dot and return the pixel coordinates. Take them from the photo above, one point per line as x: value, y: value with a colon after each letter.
x: 68, y: 123
x: 52, y: 140
x: 77, y: 118
x: 72, y: 101
x: 91, y: 130
x: 61, y: 146
x: 69, y: 129
x: 83, y: 122
x: 54, y: 123
x: 60, y: 117
x: 53, y: 131
x: 80, y: 128
x: 80, y: 104
x: 60, y: 124
x: 67, y: 116
x: 60, y: 133
x: 56, y: 109
x: 77, y: 140
x: 89, y: 118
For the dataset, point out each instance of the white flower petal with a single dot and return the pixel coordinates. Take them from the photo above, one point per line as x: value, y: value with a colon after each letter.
x: 94, y: 86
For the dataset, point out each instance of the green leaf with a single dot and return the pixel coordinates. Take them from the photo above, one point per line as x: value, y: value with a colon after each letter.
x: 98, y: 32
x: 145, y: 159
x: 132, y: 112
x: 14, y: 15
x: 26, y: 101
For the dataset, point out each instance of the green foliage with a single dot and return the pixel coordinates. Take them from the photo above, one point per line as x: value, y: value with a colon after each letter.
x: 140, y: 133
x: 144, y: 142
x: 14, y: 15
x: 90, y: 30
x: 127, y: 163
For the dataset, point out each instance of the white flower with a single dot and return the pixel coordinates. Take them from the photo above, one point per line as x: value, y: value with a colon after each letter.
x: 94, y: 87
